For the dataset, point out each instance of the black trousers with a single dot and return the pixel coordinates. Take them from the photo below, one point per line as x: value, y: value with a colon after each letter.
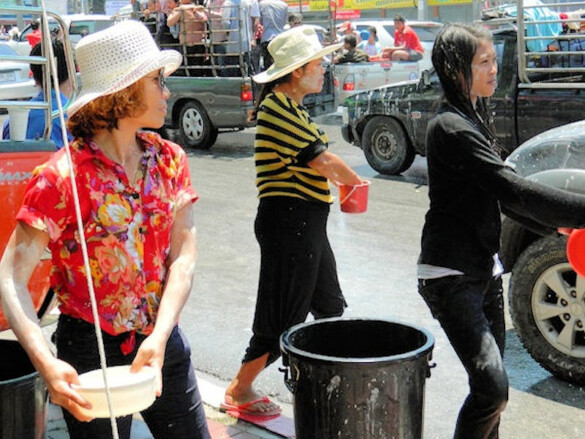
x: 177, y: 414
x: 471, y: 312
x: 298, y: 273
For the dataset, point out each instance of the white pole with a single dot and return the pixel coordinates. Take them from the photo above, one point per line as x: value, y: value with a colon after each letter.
x: 422, y: 10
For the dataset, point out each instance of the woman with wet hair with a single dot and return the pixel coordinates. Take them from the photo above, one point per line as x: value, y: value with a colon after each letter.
x: 459, y: 270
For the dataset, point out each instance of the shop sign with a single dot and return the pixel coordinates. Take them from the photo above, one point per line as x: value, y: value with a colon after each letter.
x: 378, y: 4
x: 448, y: 2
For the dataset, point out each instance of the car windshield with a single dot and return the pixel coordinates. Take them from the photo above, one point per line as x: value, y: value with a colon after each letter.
x: 424, y: 33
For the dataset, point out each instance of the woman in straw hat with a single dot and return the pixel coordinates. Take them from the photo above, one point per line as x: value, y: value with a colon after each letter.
x: 293, y: 168
x: 135, y: 197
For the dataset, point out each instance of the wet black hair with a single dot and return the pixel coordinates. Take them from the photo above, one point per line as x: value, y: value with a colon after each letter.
x: 452, y: 55
x: 59, y: 52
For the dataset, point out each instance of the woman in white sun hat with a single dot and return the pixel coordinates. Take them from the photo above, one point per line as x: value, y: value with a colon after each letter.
x: 135, y: 198
x: 294, y: 168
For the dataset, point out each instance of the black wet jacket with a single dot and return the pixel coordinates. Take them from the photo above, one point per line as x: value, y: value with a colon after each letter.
x: 467, y: 183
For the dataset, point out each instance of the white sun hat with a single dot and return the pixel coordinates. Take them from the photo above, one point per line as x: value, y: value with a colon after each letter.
x: 292, y: 49
x: 115, y: 58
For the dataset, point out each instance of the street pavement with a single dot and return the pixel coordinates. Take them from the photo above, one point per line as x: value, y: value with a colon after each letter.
x: 376, y: 254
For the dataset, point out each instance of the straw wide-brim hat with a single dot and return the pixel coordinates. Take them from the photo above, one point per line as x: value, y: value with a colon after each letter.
x: 292, y: 49
x: 115, y: 58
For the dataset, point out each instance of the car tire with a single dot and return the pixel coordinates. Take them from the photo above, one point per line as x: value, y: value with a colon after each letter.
x: 195, y: 128
x: 386, y: 146
x: 547, y: 303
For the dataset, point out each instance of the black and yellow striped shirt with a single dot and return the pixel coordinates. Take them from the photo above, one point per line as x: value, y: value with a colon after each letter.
x: 286, y: 140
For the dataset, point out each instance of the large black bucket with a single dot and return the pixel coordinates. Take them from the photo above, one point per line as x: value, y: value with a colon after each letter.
x: 23, y: 395
x: 357, y: 379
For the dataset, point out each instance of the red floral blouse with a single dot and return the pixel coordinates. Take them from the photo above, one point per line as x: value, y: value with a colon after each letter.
x: 127, y: 229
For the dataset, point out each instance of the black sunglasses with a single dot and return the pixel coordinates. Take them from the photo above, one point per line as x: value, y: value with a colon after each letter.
x: 162, y: 80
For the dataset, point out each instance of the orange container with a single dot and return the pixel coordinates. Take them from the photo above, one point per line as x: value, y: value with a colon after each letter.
x: 354, y: 199
x: 16, y: 166
x: 576, y: 251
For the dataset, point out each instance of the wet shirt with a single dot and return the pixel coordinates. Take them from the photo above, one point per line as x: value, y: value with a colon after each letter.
x: 127, y: 229
x: 408, y: 38
x: 286, y: 141
x: 468, y: 185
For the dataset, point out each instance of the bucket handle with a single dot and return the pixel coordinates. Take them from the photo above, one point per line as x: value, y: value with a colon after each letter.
x: 291, y: 383
x: 348, y: 196
x: 429, y: 367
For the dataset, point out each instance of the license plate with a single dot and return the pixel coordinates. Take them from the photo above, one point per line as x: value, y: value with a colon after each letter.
x: 7, y: 77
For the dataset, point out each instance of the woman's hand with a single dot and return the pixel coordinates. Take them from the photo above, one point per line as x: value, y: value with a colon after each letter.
x: 151, y: 353
x: 59, y: 377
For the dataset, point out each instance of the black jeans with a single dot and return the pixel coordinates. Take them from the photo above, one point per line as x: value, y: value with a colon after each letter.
x: 177, y: 414
x: 471, y: 312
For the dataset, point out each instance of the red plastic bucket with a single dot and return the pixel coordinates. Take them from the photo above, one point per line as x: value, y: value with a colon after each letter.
x: 354, y: 199
x: 576, y: 250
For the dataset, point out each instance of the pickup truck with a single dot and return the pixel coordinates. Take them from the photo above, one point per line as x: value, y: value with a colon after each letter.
x: 205, y: 101
x: 389, y: 123
x: 355, y: 78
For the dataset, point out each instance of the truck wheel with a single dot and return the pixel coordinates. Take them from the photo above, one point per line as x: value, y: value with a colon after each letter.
x: 386, y: 147
x: 547, y: 303
x: 195, y: 128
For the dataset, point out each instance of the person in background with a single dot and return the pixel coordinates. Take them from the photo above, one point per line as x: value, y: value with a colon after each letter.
x: 35, y: 36
x: 273, y: 18
x: 165, y: 38
x: 136, y: 197
x: 149, y: 16
x: 407, y: 46
x: 36, y: 117
x: 294, y: 19
x: 192, y: 21
x: 459, y: 271
x: 243, y: 17
x: 351, y: 53
x: 370, y: 44
x: 347, y: 28
x: 4, y: 34
x: 136, y: 9
x: 218, y: 35
x: 294, y: 169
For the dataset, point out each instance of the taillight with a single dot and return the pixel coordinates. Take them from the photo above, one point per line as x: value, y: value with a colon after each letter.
x: 247, y: 94
x: 349, y: 86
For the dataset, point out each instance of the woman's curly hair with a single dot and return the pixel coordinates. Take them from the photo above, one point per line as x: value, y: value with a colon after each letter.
x: 105, y: 111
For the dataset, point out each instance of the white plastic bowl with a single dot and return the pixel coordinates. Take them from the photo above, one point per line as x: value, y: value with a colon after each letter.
x: 130, y: 392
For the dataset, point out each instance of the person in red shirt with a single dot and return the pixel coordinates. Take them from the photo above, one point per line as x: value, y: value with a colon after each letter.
x: 407, y: 46
x: 35, y: 36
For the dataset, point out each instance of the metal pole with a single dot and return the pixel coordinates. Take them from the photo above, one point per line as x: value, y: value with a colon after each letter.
x: 422, y: 10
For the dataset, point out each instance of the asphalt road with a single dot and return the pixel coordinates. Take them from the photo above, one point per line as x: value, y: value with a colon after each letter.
x: 376, y: 255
